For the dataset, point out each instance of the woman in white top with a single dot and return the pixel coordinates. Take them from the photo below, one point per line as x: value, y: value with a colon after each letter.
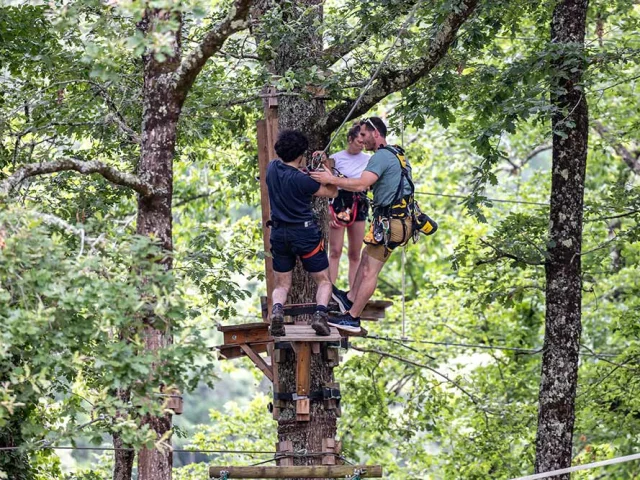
x: 349, y: 209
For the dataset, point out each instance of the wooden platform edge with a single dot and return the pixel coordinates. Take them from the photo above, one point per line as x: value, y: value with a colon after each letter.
x: 313, y: 471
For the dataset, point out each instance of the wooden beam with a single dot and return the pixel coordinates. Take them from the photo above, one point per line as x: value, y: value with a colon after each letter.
x: 258, y: 361
x: 313, y: 471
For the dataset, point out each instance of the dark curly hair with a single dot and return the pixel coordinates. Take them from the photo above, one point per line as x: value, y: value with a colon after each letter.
x: 290, y: 145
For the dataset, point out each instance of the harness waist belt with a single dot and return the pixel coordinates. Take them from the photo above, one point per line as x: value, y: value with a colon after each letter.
x: 278, y: 224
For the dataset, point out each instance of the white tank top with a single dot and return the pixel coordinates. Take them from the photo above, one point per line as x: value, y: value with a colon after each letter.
x: 351, y: 166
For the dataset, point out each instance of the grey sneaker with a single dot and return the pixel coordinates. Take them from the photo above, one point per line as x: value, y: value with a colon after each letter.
x: 277, y: 322
x: 319, y: 323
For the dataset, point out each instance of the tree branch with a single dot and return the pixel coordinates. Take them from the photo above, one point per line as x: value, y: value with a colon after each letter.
x: 500, y: 254
x: 390, y: 81
x: 191, y: 65
x: 473, y: 398
x: 112, y: 174
x: 620, y: 149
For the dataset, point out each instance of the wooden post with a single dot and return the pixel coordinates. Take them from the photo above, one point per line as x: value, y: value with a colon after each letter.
x: 263, y: 161
x: 267, y: 135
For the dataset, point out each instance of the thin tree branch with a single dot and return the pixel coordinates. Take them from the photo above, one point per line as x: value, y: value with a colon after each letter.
x: 390, y: 81
x: 191, y: 65
x: 116, y: 116
x: 502, y: 254
x: 473, y: 398
x: 620, y: 149
x: 71, y: 164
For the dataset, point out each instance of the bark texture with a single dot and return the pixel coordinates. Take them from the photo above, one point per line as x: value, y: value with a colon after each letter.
x: 570, y: 125
x: 300, y: 114
x: 161, y: 111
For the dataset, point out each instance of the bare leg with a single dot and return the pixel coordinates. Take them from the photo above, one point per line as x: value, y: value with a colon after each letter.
x: 282, y: 286
x: 355, y: 234
x: 336, y: 241
x: 369, y: 270
x: 323, y: 293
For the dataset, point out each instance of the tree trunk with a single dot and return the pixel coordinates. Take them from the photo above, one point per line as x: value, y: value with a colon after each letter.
x: 15, y: 463
x: 559, y: 377
x: 123, y: 458
x: 301, y: 114
x: 161, y: 112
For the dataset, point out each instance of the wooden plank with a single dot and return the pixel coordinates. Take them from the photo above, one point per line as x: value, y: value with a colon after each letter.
x: 276, y: 357
x: 247, y: 336
x: 303, y: 368
x: 302, y: 471
x: 284, y: 447
x: 303, y: 410
x: 263, y: 161
x: 242, y: 326
x: 328, y: 445
x: 258, y: 361
x: 304, y: 333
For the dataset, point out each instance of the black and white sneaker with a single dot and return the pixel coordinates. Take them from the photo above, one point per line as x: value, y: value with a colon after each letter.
x: 346, y: 323
x: 341, y: 299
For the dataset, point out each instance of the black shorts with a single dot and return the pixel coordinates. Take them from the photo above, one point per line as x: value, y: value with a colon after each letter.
x: 363, y: 210
x: 289, y: 242
x: 345, y: 200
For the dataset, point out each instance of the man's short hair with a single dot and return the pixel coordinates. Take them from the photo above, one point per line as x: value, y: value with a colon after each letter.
x: 353, y: 132
x: 290, y: 145
x: 374, y: 123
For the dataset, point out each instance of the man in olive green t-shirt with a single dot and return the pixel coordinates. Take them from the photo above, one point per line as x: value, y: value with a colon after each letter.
x: 383, y: 174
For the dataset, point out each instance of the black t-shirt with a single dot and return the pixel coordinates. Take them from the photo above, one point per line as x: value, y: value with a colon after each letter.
x: 290, y: 193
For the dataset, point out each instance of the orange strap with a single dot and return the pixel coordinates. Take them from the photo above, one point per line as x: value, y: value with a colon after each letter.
x: 314, y: 251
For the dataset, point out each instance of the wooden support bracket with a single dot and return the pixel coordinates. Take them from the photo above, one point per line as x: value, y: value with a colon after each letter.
x: 258, y: 361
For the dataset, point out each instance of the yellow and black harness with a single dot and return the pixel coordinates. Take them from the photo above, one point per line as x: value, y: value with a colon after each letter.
x: 402, y: 207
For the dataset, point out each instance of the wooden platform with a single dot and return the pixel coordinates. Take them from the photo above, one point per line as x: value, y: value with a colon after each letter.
x: 313, y: 471
x: 304, y: 333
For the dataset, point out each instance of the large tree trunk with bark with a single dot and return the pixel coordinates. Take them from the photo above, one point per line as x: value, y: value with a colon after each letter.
x: 570, y: 125
x: 161, y: 112
x: 301, y: 114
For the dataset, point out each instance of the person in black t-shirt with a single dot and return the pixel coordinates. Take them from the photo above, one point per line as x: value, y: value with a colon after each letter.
x: 294, y: 230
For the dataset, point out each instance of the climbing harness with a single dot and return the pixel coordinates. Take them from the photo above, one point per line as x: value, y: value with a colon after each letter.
x: 343, y: 214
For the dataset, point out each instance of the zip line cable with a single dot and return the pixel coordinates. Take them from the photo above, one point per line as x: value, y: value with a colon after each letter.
x: 403, y: 28
x: 529, y: 351
x: 577, y: 468
x: 497, y: 200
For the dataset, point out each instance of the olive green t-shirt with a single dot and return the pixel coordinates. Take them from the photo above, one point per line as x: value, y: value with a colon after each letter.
x: 387, y: 167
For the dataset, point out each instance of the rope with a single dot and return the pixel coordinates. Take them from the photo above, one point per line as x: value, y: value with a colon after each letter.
x: 586, y: 466
x: 404, y: 332
x: 497, y: 200
x: 407, y: 22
